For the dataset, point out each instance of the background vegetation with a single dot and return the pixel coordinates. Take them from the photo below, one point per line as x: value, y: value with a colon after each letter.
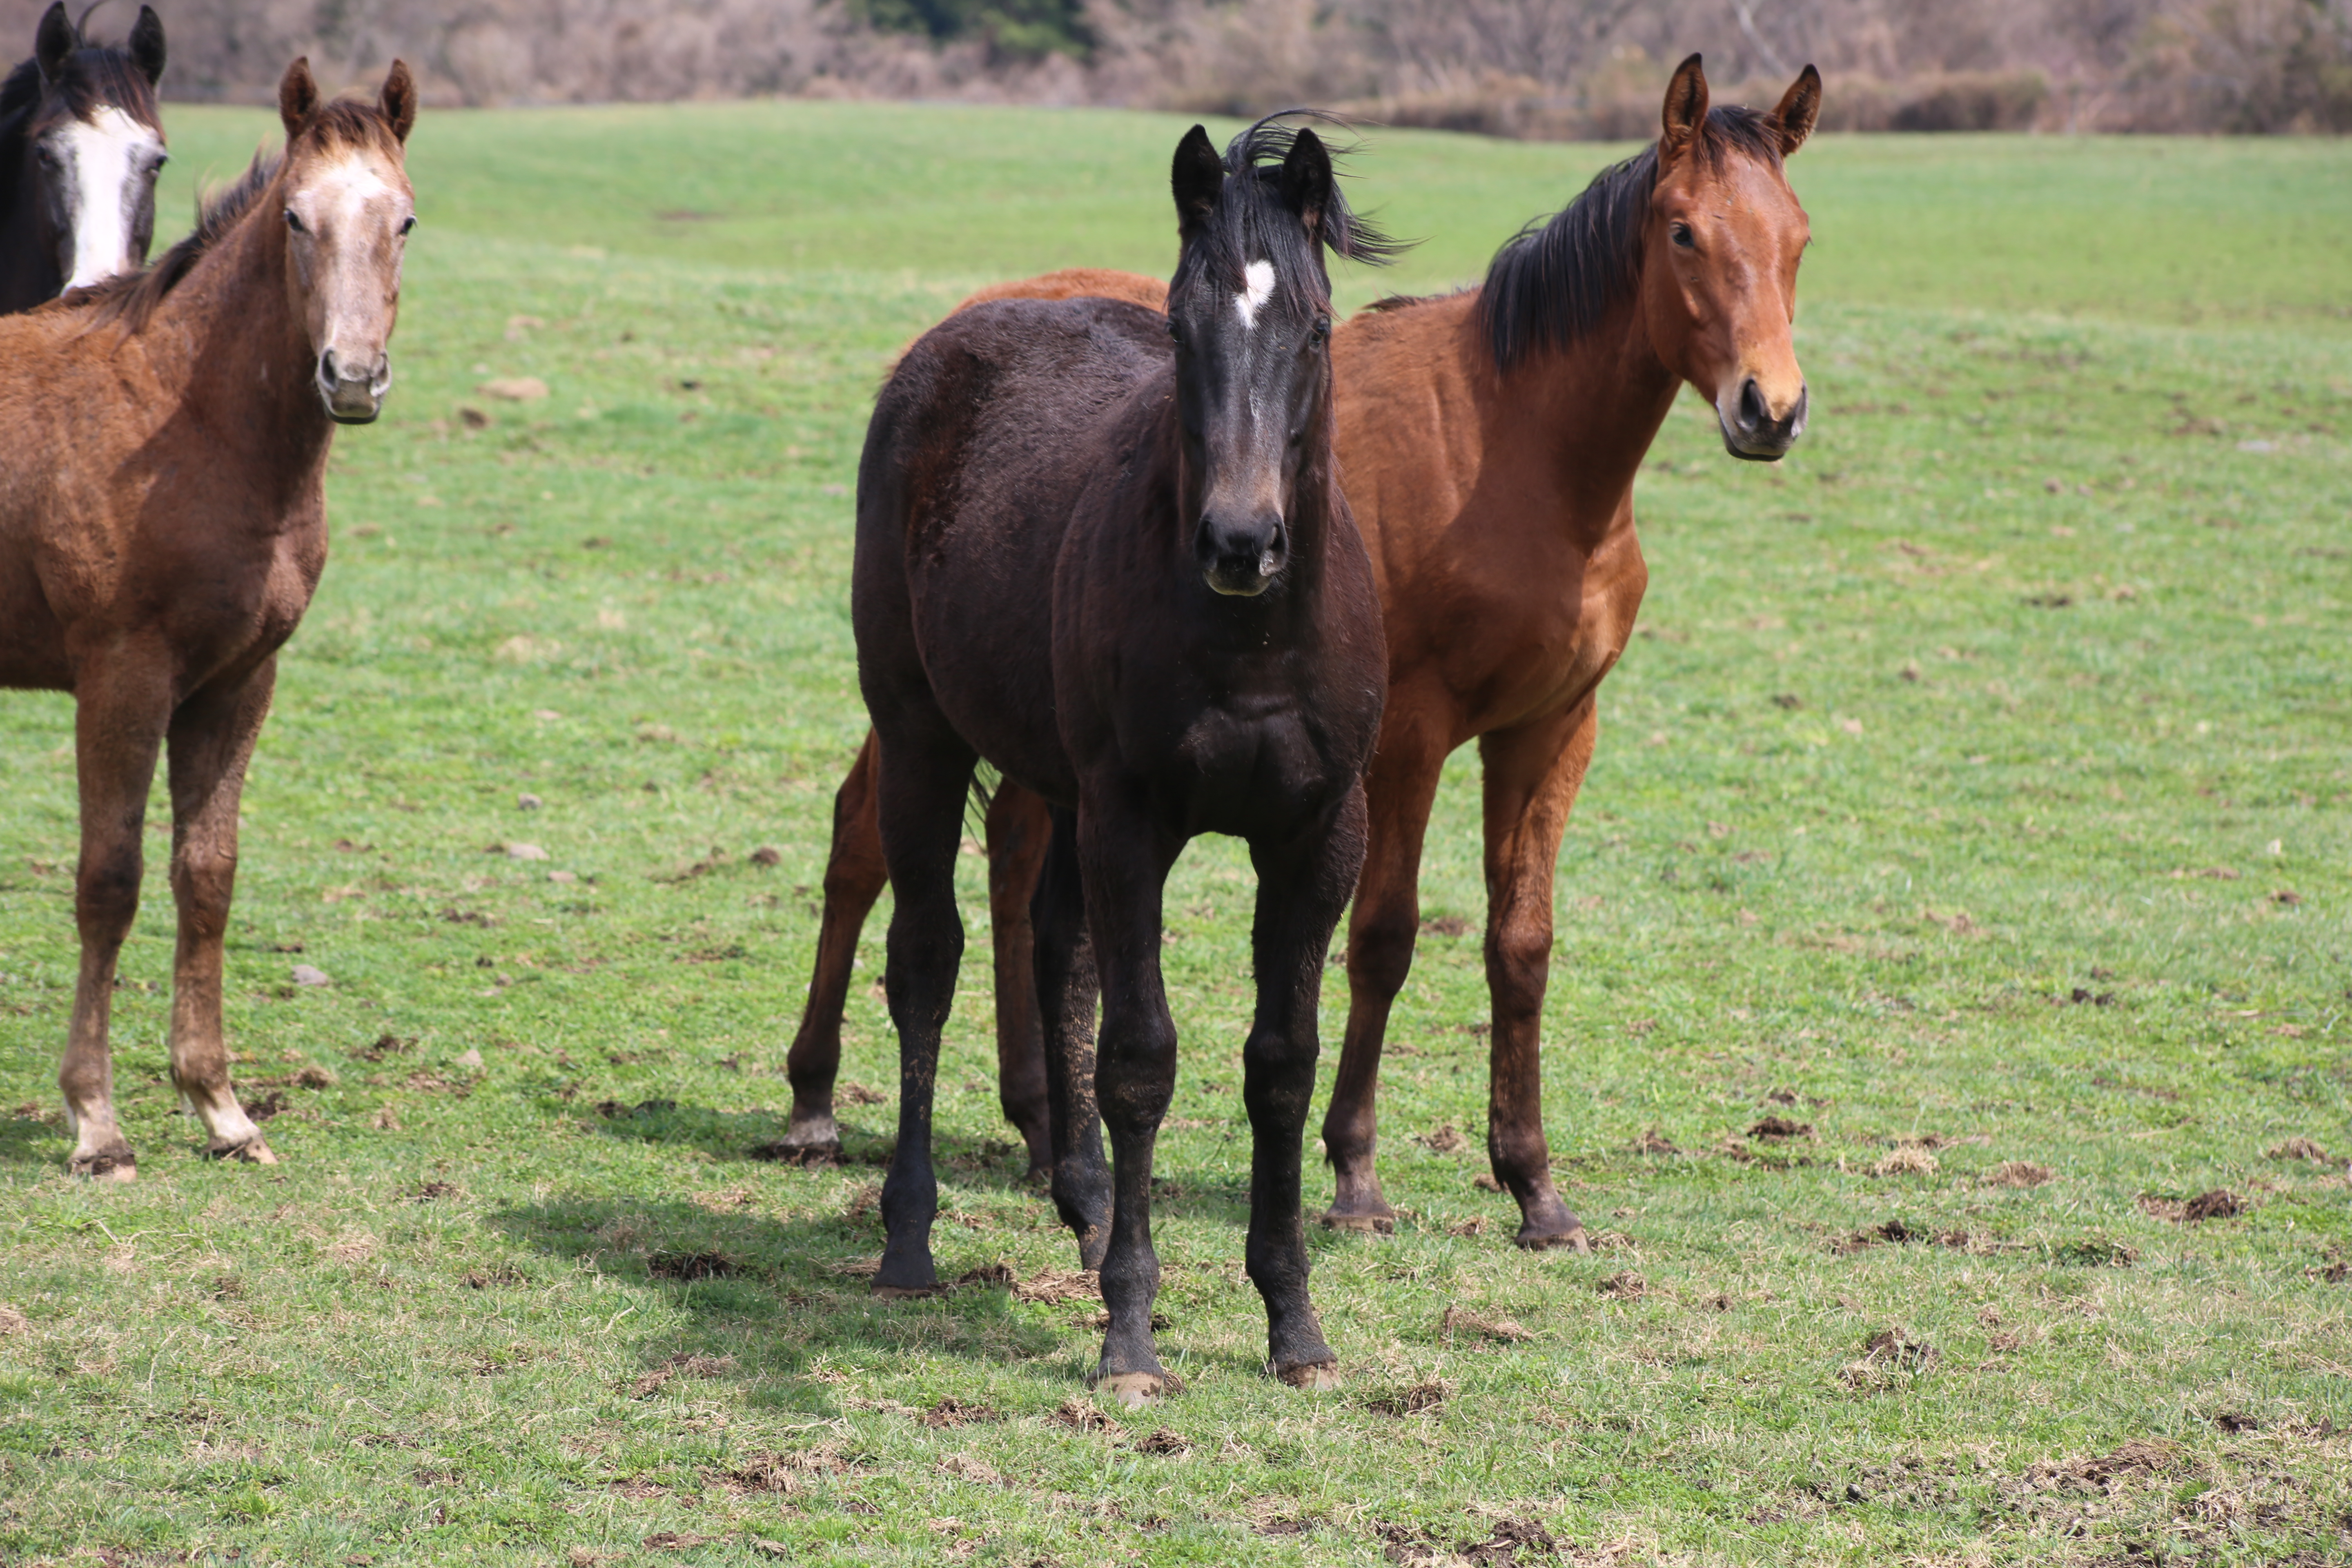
x: 1973, y: 804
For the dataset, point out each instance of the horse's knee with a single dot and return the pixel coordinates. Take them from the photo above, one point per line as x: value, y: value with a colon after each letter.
x: 106, y: 896
x: 203, y: 882
x: 1380, y: 952
x: 1519, y: 966
x: 1135, y: 1072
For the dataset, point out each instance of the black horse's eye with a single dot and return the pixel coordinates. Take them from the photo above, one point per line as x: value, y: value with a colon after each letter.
x: 1175, y: 332
x: 294, y: 221
x: 1321, y: 328
x: 1684, y: 238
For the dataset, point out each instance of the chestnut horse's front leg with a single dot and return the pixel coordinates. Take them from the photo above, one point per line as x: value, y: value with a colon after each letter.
x: 854, y: 876
x: 1532, y: 774
x: 120, y: 710
x: 212, y: 738
x: 1303, y: 884
x: 1124, y: 858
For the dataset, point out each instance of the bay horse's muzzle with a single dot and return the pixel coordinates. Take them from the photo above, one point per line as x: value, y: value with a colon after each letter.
x: 1751, y: 431
x: 1241, y: 557
x: 353, y: 394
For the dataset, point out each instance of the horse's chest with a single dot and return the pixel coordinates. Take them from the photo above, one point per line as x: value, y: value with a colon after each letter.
x: 1249, y: 767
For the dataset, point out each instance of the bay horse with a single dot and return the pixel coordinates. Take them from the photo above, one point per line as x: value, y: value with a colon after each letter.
x: 163, y: 524
x: 1490, y: 439
x: 1105, y: 550
x: 81, y: 141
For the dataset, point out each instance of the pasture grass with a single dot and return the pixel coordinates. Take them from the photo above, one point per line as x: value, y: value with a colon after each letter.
x: 1977, y: 780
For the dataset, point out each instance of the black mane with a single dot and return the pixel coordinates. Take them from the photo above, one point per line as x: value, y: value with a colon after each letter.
x: 1259, y: 225
x: 1555, y: 280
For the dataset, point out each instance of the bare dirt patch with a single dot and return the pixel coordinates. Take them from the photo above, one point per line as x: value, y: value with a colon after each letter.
x: 1460, y: 1321
x: 2016, y: 1173
x: 1080, y: 1416
x: 1779, y: 1129
x: 952, y: 1412
x: 691, y: 1265
x: 1430, y: 1394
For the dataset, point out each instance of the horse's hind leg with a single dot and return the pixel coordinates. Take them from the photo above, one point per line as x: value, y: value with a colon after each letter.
x: 1064, y: 979
x: 212, y: 740
x: 118, y: 719
x: 1019, y: 830
x: 926, y: 770
x: 854, y: 876
x: 1302, y: 887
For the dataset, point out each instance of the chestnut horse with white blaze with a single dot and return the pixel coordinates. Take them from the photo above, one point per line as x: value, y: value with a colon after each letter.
x: 81, y: 141
x: 1488, y: 441
x: 163, y: 524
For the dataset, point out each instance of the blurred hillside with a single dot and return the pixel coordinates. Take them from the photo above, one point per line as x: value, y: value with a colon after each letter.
x: 1547, y: 68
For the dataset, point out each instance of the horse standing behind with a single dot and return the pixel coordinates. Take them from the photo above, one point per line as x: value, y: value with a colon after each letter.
x: 163, y: 524
x: 81, y: 141
x: 1126, y: 576
x: 1490, y: 440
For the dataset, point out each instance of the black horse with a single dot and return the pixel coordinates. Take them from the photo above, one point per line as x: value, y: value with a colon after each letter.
x: 1120, y: 569
x: 81, y: 142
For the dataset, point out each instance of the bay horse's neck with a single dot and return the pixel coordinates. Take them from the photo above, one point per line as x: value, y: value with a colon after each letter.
x: 1594, y: 404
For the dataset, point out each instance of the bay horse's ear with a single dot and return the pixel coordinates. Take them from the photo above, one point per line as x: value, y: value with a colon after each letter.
x: 1199, y: 180
x: 147, y: 45
x: 55, y: 41
x: 297, y: 96
x: 1800, y: 107
x: 1306, y: 182
x: 1685, y: 115
x: 398, y: 102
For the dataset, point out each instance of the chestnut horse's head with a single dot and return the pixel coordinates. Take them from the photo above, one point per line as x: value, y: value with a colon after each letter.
x: 347, y: 211
x: 1250, y: 311
x: 93, y: 141
x: 1698, y: 239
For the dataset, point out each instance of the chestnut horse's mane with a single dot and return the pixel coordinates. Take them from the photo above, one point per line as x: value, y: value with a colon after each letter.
x: 1557, y: 279
x: 1264, y: 229
x: 129, y: 300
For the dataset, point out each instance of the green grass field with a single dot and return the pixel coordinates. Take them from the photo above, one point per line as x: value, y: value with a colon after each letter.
x: 1975, y: 796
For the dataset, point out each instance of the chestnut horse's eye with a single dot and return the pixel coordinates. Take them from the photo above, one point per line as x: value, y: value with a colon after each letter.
x: 1684, y: 238
x: 294, y: 221
x: 408, y: 223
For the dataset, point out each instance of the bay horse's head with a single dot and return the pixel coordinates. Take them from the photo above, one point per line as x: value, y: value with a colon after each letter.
x: 348, y: 211
x: 1698, y: 237
x: 93, y: 141
x: 1250, y: 311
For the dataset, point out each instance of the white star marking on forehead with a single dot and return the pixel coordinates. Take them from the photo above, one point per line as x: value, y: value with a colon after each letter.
x: 1259, y: 276
x: 105, y: 159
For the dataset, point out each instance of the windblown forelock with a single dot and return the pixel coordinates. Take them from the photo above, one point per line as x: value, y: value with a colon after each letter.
x: 1253, y: 223
x: 344, y: 125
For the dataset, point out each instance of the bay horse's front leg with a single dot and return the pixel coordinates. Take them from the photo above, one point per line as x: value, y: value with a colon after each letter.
x: 212, y: 737
x: 1302, y: 887
x: 1124, y: 858
x: 1065, y: 988
x: 854, y: 876
x: 924, y: 779
x: 119, y: 713
x: 1532, y: 775
x: 1019, y: 830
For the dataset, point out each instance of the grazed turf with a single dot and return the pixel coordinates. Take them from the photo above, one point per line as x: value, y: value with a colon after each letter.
x: 1977, y: 780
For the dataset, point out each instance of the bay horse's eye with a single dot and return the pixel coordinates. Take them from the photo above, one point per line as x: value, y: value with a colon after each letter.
x: 294, y: 221
x: 1684, y: 238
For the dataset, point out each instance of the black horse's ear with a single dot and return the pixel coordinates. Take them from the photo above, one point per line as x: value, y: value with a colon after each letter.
x: 1197, y: 179
x: 1306, y: 182
x: 1800, y: 106
x: 55, y: 41
x: 397, y: 102
x: 297, y: 96
x: 1685, y: 113
x: 147, y: 45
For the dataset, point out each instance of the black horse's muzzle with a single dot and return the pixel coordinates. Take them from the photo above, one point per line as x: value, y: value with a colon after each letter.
x: 1241, y: 557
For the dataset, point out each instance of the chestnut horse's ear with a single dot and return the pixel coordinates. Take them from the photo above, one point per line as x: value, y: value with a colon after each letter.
x: 55, y: 41
x: 297, y: 96
x: 1197, y: 179
x: 397, y: 102
x: 1306, y: 182
x: 1685, y: 115
x: 147, y: 45
x: 1800, y: 106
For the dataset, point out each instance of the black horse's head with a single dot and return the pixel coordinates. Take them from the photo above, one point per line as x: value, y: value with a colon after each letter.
x: 88, y: 141
x: 1250, y: 308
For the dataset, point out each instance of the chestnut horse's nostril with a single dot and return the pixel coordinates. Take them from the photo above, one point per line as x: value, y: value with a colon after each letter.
x: 327, y: 368
x: 1753, y: 413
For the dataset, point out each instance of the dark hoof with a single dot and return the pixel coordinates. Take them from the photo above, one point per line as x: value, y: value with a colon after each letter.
x: 111, y: 1166
x: 1311, y: 1377
x: 1538, y: 1240
x: 1362, y: 1224
x: 252, y: 1152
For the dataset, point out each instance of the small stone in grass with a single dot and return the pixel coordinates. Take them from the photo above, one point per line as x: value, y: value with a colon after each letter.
x: 471, y: 1059
x: 525, y: 852
x: 563, y: 876
x: 529, y: 802
x: 305, y: 974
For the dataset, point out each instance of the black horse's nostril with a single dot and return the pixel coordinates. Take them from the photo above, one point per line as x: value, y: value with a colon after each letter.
x: 1752, y: 410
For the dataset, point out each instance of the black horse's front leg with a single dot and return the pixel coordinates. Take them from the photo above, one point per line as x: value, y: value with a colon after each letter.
x: 1303, y: 884
x: 1125, y: 859
x: 1065, y: 968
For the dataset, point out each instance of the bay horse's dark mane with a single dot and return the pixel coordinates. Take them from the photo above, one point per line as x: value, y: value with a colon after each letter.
x: 1557, y: 278
x: 129, y: 300
x: 1264, y: 229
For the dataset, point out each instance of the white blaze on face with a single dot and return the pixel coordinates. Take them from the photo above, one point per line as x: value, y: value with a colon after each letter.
x: 106, y: 160
x: 1259, y: 277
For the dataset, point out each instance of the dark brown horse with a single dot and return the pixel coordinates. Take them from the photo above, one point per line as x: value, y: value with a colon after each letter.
x: 162, y: 524
x: 81, y: 142
x: 1123, y: 574
x: 1490, y: 440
